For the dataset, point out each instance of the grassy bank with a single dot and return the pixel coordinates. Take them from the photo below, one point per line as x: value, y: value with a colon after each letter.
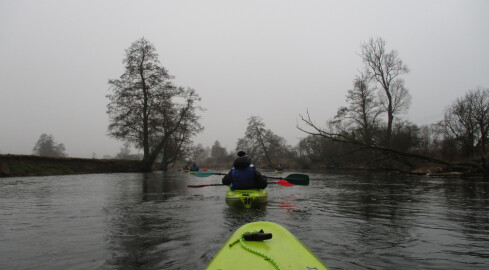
x: 26, y: 165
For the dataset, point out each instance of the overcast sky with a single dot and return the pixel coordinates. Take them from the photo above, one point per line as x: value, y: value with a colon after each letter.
x: 273, y: 59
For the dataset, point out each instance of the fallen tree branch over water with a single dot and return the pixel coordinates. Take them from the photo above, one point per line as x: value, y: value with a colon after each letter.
x: 453, y: 167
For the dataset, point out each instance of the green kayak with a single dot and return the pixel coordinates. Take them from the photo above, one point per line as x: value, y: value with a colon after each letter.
x: 249, y: 198
x: 264, y: 245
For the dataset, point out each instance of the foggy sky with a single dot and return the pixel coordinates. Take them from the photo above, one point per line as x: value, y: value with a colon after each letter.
x: 273, y: 59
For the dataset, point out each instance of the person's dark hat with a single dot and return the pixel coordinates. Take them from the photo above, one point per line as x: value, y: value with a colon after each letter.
x: 243, y: 155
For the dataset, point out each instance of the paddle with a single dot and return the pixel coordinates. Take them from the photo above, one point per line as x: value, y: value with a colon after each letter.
x: 295, y: 178
x: 282, y: 182
x: 205, y: 185
x: 207, y: 173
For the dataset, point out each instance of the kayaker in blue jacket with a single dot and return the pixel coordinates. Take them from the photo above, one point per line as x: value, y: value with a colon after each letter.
x: 244, y: 175
x: 194, y: 168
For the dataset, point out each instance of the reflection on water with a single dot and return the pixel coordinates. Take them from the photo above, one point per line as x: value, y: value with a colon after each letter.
x: 153, y: 221
x: 288, y: 202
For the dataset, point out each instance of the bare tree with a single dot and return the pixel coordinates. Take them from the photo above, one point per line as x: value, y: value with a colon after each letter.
x: 124, y: 152
x: 179, y: 145
x: 334, y: 136
x: 218, y: 153
x: 467, y: 121
x: 46, y: 146
x: 199, y: 152
x: 385, y: 67
x: 314, y: 147
x: 361, y: 115
x: 431, y: 137
x: 174, y: 148
x: 400, y: 98
x: 146, y: 109
x: 261, y: 143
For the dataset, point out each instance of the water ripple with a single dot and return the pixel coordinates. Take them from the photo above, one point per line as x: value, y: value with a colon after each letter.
x: 153, y: 221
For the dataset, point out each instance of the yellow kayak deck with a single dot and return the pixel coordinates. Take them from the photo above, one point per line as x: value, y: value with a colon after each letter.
x: 283, y: 250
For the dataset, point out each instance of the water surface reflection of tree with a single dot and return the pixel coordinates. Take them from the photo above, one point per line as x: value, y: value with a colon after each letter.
x: 144, y: 224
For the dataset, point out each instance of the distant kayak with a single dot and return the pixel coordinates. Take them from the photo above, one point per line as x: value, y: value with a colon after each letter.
x: 277, y: 171
x: 264, y: 245
x: 249, y: 198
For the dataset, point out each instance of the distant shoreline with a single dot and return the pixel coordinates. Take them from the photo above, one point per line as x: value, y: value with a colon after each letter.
x: 30, y: 165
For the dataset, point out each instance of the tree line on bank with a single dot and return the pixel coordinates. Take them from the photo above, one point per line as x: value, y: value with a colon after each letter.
x: 147, y: 110
x: 358, y: 136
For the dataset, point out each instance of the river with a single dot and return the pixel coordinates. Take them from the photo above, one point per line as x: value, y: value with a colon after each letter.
x: 350, y: 220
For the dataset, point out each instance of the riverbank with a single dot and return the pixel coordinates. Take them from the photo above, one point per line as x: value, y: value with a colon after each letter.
x: 28, y: 165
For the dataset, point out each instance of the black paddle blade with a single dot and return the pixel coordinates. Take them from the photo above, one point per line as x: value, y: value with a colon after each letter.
x: 204, y: 185
x: 298, y: 179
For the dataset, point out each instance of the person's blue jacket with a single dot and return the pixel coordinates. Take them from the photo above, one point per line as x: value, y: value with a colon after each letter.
x: 243, y: 175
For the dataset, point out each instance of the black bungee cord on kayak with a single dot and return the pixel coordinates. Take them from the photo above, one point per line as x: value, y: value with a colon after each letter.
x: 256, y: 236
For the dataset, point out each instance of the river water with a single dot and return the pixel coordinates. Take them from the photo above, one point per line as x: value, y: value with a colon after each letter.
x: 350, y: 220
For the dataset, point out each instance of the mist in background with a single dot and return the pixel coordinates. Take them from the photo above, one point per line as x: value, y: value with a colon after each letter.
x: 273, y: 59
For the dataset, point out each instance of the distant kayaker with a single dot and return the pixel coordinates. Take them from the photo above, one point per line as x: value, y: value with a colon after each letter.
x: 194, y: 168
x: 244, y: 175
x: 280, y: 167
